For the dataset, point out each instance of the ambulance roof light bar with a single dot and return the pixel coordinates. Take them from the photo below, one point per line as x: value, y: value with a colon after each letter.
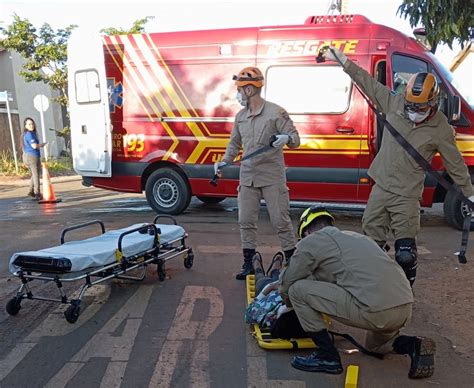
x: 337, y: 19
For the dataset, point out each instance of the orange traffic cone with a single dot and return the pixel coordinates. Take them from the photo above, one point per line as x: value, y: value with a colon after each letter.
x: 48, y: 192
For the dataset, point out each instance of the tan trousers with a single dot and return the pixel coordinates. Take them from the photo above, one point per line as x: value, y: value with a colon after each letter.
x: 311, y: 299
x: 278, y: 207
x: 387, y: 211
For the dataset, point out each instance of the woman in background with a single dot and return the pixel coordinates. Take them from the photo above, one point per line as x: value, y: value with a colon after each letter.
x: 31, y: 156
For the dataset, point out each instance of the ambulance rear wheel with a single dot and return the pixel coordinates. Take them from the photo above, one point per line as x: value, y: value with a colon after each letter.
x: 167, y: 191
x: 210, y: 200
x: 455, y: 210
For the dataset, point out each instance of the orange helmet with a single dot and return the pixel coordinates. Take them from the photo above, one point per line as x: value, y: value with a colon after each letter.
x: 422, y: 90
x: 249, y: 76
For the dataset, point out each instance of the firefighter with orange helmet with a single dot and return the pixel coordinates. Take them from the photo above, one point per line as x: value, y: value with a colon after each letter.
x: 394, y: 202
x: 262, y: 176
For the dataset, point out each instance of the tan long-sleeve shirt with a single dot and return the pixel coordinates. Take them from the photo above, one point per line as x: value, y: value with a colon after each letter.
x: 254, y: 131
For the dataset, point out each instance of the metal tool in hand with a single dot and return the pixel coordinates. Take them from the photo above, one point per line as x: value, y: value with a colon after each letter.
x: 259, y: 151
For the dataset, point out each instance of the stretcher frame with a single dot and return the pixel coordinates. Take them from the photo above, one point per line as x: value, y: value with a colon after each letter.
x: 158, y: 254
x: 263, y: 335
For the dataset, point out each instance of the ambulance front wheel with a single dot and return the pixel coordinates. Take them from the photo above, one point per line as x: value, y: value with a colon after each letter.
x: 167, y: 191
x: 455, y: 210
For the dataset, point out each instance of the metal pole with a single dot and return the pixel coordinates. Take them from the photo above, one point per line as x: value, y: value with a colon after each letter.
x: 43, y: 131
x: 12, y: 134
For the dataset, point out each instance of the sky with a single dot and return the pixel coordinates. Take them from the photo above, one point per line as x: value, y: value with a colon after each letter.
x: 181, y: 15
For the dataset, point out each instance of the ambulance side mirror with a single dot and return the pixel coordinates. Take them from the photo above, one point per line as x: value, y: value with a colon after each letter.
x: 455, y: 109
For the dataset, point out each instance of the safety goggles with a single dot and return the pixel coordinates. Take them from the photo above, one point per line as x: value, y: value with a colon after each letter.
x: 417, y: 108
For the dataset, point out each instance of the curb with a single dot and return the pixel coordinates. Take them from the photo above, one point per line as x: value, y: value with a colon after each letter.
x: 14, y: 181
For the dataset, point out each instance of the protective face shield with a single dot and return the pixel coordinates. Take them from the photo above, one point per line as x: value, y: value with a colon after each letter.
x: 311, y: 214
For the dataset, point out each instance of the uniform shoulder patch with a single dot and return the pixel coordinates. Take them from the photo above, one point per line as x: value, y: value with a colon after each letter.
x: 283, y: 113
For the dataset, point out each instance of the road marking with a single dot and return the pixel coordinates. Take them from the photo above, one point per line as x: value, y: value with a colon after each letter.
x: 184, y: 328
x: 423, y: 250
x: 53, y: 325
x: 106, y: 343
x: 257, y: 369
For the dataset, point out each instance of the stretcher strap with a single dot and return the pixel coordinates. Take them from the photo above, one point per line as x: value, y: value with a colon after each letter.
x: 356, y: 344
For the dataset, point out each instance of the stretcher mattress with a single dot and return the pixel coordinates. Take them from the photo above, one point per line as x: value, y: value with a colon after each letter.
x: 74, y: 256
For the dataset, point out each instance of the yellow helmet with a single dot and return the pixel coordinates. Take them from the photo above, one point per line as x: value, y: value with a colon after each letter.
x: 309, y: 215
x: 249, y: 76
x: 421, y: 92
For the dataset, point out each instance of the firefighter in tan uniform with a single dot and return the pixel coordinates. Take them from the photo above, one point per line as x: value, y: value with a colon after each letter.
x: 264, y: 175
x: 348, y: 277
x: 394, y: 202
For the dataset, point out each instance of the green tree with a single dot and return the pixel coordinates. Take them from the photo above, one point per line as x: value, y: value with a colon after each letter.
x: 445, y: 21
x: 44, y: 51
x: 137, y: 28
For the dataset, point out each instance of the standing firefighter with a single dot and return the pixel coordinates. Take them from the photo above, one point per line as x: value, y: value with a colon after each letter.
x: 264, y: 175
x: 394, y: 202
x: 346, y: 276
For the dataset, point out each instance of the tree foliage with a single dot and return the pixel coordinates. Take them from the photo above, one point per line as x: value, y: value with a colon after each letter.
x: 137, y: 28
x: 44, y: 51
x: 445, y: 21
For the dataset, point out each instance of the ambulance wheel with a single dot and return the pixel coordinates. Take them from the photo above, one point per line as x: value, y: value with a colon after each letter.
x: 167, y: 191
x: 13, y: 306
x: 161, y: 271
x: 189, y: 260
x: 210, y: 200
x: 72, y: 313
x: 455, y: 210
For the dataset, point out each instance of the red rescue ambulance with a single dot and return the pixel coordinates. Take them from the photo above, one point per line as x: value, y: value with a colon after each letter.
x: 153, y: 112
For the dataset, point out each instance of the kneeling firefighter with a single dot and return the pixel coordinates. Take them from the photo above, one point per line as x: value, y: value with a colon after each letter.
x: 257, y: 125
x: 394, y: 202
x: 348, y: 277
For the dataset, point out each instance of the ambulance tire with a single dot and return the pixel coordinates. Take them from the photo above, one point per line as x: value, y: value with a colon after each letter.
x: 210, y: 200
x: 167, y: 191
x: 454, y: 210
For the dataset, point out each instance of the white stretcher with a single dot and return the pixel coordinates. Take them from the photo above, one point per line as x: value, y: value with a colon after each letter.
x: 97, y: 259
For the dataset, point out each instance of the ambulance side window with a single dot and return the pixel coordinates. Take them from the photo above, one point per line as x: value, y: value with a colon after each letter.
x: 403, y: 67
x: 308, y: 89
x: 87, y: 86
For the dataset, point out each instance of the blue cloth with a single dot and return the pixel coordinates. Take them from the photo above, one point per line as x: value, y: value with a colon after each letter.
x: 30, y: 138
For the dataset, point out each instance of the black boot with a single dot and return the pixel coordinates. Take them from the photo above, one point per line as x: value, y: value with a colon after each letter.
x: 247, y: 267
x: 421, y: 351
x: 407, y: 257
x: 288, y: 254
x: 324, y: 359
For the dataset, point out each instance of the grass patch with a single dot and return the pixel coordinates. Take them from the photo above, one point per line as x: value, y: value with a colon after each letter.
x: 56, y: 167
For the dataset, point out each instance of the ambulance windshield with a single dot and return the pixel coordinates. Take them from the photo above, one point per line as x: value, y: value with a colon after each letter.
x: 458, y: 80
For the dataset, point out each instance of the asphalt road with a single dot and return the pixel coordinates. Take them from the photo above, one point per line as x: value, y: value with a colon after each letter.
x: 187, y: 330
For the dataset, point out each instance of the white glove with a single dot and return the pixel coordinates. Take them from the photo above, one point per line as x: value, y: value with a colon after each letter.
x: 217, y: 166
x: 333, y: 54
x: 471, y: 198
x: 281, y: 141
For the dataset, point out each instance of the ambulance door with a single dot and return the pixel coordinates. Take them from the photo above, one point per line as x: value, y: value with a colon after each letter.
x: 89, y: 107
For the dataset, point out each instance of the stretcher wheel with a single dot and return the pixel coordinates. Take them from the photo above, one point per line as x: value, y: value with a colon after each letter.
x: 161, y: 271
x: 188, y: 260
x: 72, y: 313
x: 13, y: 306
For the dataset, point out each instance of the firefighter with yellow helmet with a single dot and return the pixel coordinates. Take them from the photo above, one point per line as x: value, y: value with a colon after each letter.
x: 262, y: 176
x: 394, y: 202
x: 346, y: 276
